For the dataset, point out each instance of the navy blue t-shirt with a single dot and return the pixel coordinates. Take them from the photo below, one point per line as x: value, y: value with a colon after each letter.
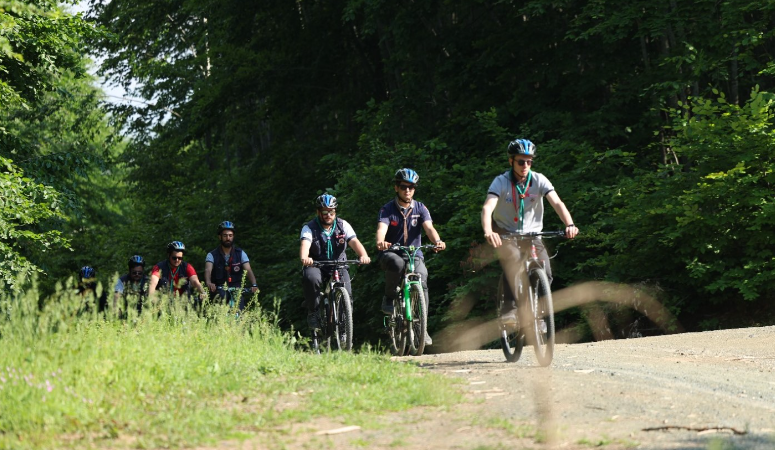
x: 404, y: 227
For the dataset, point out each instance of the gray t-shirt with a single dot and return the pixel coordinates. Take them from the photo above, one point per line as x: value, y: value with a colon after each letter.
x: 506, y: 213
x: 349, y: 233
x: 210, y: 259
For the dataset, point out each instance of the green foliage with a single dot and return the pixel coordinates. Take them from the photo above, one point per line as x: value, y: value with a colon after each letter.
x: 24, y: 204
x: 254, y: 109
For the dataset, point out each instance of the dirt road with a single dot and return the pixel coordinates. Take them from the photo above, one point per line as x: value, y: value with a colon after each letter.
x: 713, y: 390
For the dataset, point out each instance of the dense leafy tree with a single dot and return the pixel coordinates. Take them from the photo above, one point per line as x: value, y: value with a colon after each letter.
x: 253, y: 109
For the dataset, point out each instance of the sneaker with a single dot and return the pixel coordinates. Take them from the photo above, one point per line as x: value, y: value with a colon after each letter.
x: 312, y: 321
x: 428, y: 340
x: 509, y: 317
x: 387, y: 306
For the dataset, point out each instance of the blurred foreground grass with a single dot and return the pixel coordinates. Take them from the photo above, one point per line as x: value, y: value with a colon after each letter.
x: 171, y: 377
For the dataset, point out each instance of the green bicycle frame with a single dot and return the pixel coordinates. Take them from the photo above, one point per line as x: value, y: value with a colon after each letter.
x: 407, y: 282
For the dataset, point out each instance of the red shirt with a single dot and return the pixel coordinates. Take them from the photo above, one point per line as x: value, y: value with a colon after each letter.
x: 180, y: 279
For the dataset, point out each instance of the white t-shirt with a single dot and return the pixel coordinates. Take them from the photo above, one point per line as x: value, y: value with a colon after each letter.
x: 506, y: 214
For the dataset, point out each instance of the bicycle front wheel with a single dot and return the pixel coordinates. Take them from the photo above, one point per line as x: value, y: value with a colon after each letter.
x: 512, y: 336
x: 342, y: 319
x: 543, y: 316
x: 396, y: 328
x: 419, y: 321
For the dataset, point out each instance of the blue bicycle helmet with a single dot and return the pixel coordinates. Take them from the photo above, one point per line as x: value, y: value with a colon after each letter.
x: 407, y: 175
x: 522, y: 147
x: 87, y: 272
x: 136, y: 260
x: 176, y: 246
x: 225, y: 225
x: 326, y: 201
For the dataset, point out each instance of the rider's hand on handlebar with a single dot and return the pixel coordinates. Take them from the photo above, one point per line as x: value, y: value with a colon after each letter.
x: 383, y: 245
x: 306, y: 262
x: 440, y: 245
x: 493, y: 239
x: 364, y: 259
x: 211, y: 286
x: 571, y: 231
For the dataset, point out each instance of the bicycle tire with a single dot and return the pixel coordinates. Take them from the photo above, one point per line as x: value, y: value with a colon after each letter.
x: 396, y: 325
x: 542, y: 307
x: 512, y: 335
x: 342, y: 319
x: 419, y: 324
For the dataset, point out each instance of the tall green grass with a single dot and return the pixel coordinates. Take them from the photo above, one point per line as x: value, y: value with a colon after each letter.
x: 173, y: 377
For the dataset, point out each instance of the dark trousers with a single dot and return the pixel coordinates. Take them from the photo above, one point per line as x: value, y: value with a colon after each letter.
x: 393, y: 264
x: 512, y: 255
x: 312, y: 279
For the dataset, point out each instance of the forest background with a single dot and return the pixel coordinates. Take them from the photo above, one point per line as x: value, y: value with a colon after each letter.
x: 652, y: 119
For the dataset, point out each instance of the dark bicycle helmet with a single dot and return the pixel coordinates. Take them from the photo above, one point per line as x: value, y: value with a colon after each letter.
x: 522, y: 147
x: 326, y: 201
x: 87, y: 272
x: 225, y: 225
x: 176, y: 246
x: 136, y: 260
x: 408, y: 175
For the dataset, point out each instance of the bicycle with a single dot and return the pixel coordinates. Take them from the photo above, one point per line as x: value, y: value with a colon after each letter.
x: 335, y: 315
x: 235, y: 297
x: 535, y: 310
x: 407, y: 325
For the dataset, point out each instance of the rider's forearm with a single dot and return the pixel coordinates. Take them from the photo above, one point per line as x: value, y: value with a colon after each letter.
x: 252, y: 278
x: 486, y: 221
x: 360, y: 250
x: 564, y: 214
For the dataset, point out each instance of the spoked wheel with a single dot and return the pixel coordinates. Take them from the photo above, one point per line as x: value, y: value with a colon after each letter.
x: 512, y: 336
x: 342, y: 320
x: 542, y: 333
x: 419, y: 322
x: 396, y: 326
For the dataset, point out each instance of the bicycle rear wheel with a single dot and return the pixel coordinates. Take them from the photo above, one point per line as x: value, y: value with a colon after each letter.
x: 416, y: 338
x: 342, y: 319
x: 396, y: 327
x: 512, y: 335
x: 542, y: 333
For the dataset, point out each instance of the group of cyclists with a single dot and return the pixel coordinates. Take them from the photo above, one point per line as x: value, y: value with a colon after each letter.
x: 225, y: 267
x: 514, y: 203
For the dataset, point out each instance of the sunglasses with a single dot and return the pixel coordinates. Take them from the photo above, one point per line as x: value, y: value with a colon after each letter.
x: 522, y: 162
x: 327, y: 213
x: 138, y: 272
x: 406, y: 187
x: 176, y: 258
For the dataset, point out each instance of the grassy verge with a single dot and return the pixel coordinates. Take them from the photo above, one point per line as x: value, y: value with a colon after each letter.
x: 172, y: 378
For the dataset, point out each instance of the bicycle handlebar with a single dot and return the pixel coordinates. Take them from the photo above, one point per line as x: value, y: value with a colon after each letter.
x: 336, y: 263
x: 411, y: 247
x: 233, y: 289
x: 519, y: 235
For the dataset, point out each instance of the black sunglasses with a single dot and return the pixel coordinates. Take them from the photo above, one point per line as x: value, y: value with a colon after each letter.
x: 406, y: 187
x: 176, y: 258
x: 522, y: 162
x: 137, y: 272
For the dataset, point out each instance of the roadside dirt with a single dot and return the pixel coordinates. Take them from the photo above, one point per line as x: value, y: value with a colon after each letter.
x: 713, y: 390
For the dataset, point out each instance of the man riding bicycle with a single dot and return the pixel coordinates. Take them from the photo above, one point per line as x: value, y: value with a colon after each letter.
x: 227, y: 264
x: 325, y: 238
x: 132, y: 284
x: 515, y: 203
x: 174, y: 275
x: 401, y: 221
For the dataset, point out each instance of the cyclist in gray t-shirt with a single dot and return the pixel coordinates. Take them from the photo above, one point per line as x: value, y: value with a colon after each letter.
x: 515, y: 204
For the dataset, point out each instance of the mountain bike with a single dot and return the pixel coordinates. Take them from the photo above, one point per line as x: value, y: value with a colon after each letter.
x: 335, y: 315
x: 407, y: 325
x: 535, y: 310
x: 235, y: 297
